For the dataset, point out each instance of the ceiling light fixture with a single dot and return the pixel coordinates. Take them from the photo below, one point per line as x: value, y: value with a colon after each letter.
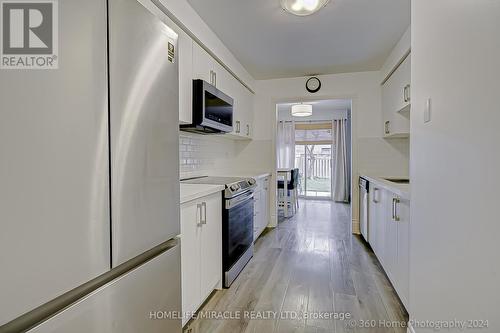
x: 302, y: 110
x: 303, y: 7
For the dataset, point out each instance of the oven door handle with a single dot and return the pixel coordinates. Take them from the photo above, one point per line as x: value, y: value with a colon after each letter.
x: 240, y: 199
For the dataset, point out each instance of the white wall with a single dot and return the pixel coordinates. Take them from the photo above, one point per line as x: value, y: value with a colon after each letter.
x: 364, y: 90
x: 455, y: 160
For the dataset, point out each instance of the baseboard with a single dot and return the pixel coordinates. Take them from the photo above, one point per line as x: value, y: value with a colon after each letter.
x: 355, y: 227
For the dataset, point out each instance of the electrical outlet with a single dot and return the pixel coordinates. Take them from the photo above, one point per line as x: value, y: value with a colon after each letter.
x: 427, y: 111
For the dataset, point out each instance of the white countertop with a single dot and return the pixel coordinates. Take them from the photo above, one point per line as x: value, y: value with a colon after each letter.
x: 403, y: 190
x: 191, y: 192
x: 256, y: 175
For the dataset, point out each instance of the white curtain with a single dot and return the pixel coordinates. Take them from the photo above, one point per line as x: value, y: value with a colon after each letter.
x: 341, y: 186
x: 286, y: 144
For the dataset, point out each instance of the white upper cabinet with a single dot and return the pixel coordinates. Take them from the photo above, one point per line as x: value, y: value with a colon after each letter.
x: 203, y: 64
x: 208, y: 69
x: 396, y: 101
x: 242, y: 112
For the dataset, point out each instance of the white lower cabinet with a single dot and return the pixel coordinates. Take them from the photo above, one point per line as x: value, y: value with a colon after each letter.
x: 403, y: 263
x: 201, y: 250
x: 261, y: 207
x: 389, y: 218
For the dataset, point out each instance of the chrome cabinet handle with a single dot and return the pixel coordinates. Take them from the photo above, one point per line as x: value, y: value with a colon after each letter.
x: 198, y: 217
x: 395, y: 202
x: 375, y: 191
x: 387, y: 130
x: 237, y: 126
x: 204, y: 208
x: 248, y: 130
x: 211, y: 77
x: 406, y: 93
x: 215, y: 79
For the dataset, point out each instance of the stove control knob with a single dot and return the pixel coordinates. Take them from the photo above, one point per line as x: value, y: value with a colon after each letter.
x: 251, y: 182
x: 234, y: 187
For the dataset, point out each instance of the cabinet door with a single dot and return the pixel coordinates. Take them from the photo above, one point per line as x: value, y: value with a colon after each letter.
x: 403, y: 78
x: 185, y: 59
x: 265, y: 203
x: 391, y: 240
x: 381, y: 225
x: 202, y: 63
x: 248, y: 100
x: 222, y: 78
x: 403, y: 262
x: 373, y: 221
x: 211, y: 244
x: 395, y: 103
x: 190, y: 255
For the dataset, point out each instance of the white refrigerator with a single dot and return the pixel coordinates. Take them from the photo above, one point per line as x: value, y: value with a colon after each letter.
x: 89, y: 191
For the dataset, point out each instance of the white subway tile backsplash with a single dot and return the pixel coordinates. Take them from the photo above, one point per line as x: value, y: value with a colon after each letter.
x: 204, y: 154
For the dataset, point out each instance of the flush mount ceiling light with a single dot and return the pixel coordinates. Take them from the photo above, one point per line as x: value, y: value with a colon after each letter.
x: 303, y: 7
x: 302, y: 110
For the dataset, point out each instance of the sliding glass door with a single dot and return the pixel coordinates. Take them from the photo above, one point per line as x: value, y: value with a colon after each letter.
x: 313, y: 158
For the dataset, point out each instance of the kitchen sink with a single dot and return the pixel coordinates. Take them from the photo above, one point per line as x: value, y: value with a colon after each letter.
x: 398, y: 180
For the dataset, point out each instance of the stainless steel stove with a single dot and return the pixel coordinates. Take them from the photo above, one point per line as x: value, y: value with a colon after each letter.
x: 237, y: 223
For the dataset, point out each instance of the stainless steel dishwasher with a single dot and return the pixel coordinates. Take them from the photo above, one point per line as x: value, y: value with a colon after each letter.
x: 363, y: 207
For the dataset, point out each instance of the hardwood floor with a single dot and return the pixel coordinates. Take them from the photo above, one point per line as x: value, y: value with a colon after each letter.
x: 310, y: 263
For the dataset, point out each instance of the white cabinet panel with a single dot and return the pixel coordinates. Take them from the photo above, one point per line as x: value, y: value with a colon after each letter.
x: 190, y: 255
x: 202, y: 64
x: 211, y: 243
x: 201, y: 232
x: 243, y: 111
x: 389, y: 236
x: 403, y: 263
x: 396, y: 101
x: 125, y: 304
x: 261, y: 206
x: 377, y: 220
x: 391, y: 241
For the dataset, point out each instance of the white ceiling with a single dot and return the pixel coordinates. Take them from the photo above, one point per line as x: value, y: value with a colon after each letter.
x: 345, y: 36
x: 322, y: 110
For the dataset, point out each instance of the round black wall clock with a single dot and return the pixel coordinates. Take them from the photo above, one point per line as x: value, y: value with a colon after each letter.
x: 313, y: 84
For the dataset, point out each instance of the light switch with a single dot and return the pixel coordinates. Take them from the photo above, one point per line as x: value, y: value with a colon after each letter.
x: 427, y: 111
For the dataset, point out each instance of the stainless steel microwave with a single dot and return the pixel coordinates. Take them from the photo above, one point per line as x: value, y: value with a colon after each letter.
x: 212, y: 110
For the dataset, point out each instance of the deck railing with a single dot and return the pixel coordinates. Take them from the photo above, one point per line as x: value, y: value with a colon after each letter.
x: 317, y: 166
